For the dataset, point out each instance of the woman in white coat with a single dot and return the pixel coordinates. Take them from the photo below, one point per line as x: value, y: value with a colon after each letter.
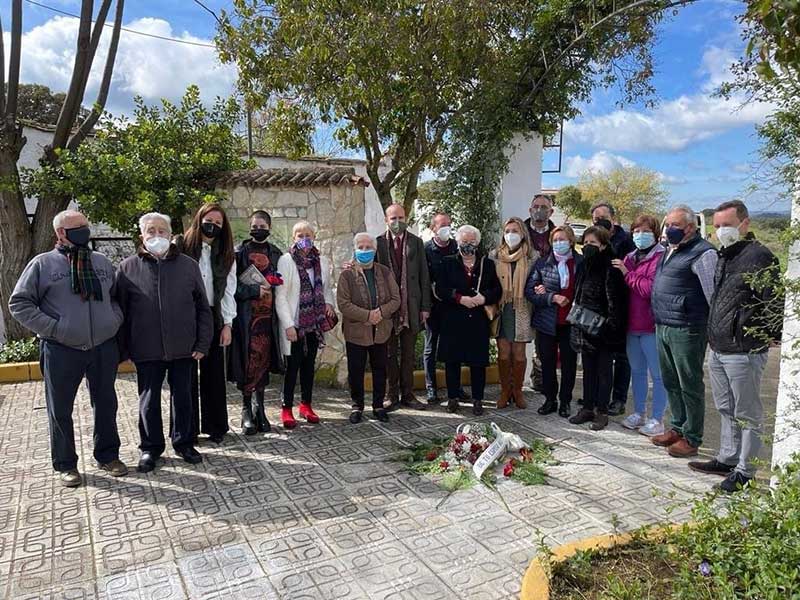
x: 304, y: 304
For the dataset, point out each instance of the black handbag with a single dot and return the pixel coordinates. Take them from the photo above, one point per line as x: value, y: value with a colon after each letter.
x: 585, y: 319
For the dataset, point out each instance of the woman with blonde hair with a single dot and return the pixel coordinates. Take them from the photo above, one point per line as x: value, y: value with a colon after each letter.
x: 514, y: 259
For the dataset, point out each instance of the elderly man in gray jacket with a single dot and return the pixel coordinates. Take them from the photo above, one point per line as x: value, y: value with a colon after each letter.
x: 67, y: 298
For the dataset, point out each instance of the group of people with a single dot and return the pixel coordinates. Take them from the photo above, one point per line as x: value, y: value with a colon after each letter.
x: 626, y: 304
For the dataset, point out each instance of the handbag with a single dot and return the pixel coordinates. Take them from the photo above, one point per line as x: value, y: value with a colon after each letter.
x: 329, y: 323
x: 492, y: 310
x: 586, y: 319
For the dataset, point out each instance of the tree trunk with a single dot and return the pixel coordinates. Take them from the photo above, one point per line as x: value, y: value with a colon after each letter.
x: 15, y: 235
x: 42, y: 232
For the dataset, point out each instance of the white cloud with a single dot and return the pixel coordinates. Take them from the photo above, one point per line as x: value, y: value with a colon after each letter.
x: 145, y: 66
x: 675, y: 124
x: 599, y: 162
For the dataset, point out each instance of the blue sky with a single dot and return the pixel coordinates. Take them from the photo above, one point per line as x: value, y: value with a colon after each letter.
x: 705, y: 149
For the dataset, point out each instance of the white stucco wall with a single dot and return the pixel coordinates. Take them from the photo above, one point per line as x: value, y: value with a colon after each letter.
x: 524, y: 176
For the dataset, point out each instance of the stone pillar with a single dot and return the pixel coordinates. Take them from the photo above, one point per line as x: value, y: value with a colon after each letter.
x: 787, y: 412
x: 524, y: 176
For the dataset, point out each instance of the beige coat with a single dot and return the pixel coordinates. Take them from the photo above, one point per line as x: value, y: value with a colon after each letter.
x: 352, y: 296
x: 523, y: 332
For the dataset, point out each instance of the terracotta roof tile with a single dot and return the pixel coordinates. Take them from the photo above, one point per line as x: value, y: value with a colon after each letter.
x: 320, y: 177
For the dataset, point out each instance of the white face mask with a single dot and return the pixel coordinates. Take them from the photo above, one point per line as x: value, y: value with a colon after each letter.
x: 512, y: 239
x: 157, y: 245
x: 728, y: 236
x: 443, y: 234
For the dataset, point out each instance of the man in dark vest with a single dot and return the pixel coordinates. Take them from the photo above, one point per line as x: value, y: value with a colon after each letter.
x: 404, y: 254
x: 682, y: 292
x: 744, y: 319
x: 604, y: 215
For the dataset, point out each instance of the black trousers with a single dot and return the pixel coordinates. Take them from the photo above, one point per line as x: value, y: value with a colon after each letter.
x: 549, y: 347
x: 209, y: 398
x: 622, y: 377
x: 477, y: 375
x: 597, y: 376
x: 63, y: 369
x: 357, y: 365
x: 150, y: 377
x: 301, y: 361
x: 400, y: 353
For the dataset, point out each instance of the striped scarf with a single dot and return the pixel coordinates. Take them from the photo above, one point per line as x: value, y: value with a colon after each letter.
x: 83, y: 279
x: 311, y: 314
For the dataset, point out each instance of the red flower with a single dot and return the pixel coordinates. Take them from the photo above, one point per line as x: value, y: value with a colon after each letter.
x: 508, y: 470
x: 460, y: 438
x: 431, y: 455
x: 475, y: 448
x: 526, y: 455
x: 443, y: 465
x: 275, y: 279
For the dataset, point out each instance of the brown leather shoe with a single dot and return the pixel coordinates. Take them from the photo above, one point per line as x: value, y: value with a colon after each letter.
x: 583, y: 416
x: 666, y: 439
x: 517, y: 375
x: 504, y: 371
x: 682, y: 449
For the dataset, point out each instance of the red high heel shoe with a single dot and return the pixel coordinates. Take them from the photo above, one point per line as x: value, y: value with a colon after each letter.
x: 288, y: 418
x: 308, y: 413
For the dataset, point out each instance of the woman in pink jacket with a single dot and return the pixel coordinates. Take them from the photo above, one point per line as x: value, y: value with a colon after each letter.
x: 639, y: 268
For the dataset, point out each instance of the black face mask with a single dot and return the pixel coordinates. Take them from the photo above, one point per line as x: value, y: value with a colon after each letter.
x: 259, y: 235
x: 467, y: 249
x: 211, y: 230
x: 78, y: 236
x: 605, y: 224
x: 589, y: 251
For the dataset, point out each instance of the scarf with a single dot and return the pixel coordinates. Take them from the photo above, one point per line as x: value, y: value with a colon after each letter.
x: 84, y: 280
x: 401, y: 316
x: 311, y: 313
x: 513, y: 279
x: 563, y: 268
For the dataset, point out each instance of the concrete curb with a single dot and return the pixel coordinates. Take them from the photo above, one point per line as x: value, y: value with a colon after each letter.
x: 30, y: 371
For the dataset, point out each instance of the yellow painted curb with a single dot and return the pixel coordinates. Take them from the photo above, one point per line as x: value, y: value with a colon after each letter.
x: 30, y: 371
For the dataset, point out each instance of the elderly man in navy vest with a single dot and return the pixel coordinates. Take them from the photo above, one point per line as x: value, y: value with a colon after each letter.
x: 682, y: 292
x: 741, y: 326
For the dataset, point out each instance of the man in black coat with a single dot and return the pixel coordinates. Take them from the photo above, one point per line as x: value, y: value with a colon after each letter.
x: 603, y: 215
x: 744, y: 319
x: 167, y: 328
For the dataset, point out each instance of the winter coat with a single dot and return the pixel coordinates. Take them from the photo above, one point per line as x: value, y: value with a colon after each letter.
x: 435, y: 254
x: 355, y: 304
x: 601, y: 288
x: 621, y: 242
x: 464, y: 336
x: 418, y: 281
x: 545, y: 271
x: 540, y: 243
x: 640, y: 279
x: 167, y: 316
x: 523, y: 332
x: 239, y: 350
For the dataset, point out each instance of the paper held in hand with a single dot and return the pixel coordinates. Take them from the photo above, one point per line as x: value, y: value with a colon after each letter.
x: 252, y: 276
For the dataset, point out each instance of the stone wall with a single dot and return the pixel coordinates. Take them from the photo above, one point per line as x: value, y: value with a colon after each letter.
x: 337, y: 214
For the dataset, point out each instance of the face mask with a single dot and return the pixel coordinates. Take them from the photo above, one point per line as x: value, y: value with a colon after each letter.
x: 675, y: 235
x: 644, y: 239
x: 728, y: 236
x: 397, y: 227
x: 467, y: 249
x: 443, y: 234
x: 589, y: 251
x: 540, y: 214
x: 513, y: 239
x: 365, y: 257
x: 157, y: 245
x: 78, y: 235
x: 605, y: 224
x: 561, y: 247
x: 304, y: 243
x: 211, y: 230
x: 259, y: 235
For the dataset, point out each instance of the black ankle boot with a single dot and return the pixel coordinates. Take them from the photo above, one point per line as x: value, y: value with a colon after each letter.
x: 563, y: 409
x: 262, y: 424
x: 548, y: 407
x: 248, y: 426
x: 477, y: 407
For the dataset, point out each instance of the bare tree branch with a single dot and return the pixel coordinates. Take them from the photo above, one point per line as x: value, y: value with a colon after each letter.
x: 14, y: 58
x: 105, y: 84
x: 2, y: 73
x: 97, y: 32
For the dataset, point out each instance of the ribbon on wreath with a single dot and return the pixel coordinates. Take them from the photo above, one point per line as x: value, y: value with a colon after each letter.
x: 503, y: 442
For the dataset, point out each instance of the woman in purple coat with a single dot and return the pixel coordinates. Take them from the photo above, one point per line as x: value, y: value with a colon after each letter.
x: 639, y: 268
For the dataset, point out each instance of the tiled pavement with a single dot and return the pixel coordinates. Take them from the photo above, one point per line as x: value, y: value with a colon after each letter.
x: 316, y: 513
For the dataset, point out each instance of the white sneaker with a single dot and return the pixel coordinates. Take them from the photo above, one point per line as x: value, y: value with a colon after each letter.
x: 651, y: 428
x: 633, y: 421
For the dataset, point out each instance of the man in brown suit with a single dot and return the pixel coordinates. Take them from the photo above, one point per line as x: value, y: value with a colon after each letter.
x: 404, y: 254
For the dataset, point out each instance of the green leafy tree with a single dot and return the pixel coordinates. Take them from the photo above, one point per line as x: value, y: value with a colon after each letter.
x: 38, y: 103
x: 166, y: 159
x: 284, y: 128
x: 571, y: 202
x: 439, y: 84
x: 631, y: 190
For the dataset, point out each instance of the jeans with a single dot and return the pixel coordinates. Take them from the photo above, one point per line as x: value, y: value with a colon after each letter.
x: 429, y: 357
x: 549, y: 347
x: 681, y: 354
x: 597, y: 376
x: 209, y: 393
x: 735, y: 384
x: 643, y: 357
x: 301, y: 361
x: 452, y: 371
x: 63, y: 369
x: 357, y: 365
x: 150, y: 377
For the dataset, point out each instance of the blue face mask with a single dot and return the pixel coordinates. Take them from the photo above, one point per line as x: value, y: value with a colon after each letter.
x: 644, y: 239
x: 364, y: 257
x: 305, y: 243
x: 561, y: 247
x: 675, y: 235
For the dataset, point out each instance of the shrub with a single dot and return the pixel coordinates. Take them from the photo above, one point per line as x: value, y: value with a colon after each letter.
x: 15, y: 351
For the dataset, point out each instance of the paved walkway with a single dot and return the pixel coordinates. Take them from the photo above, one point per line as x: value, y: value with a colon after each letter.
x: 316, y: 513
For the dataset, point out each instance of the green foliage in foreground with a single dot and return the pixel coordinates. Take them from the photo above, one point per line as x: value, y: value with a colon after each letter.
x: 16, y: 351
